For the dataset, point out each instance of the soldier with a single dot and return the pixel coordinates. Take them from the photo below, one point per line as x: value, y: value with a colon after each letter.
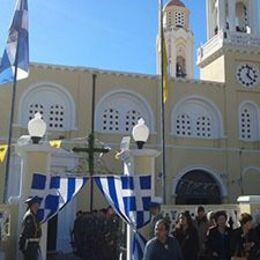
x: 31, y: 231
x: 112, y: 226
x: 155, y: 210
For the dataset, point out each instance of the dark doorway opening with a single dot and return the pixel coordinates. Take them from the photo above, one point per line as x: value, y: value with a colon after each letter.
x: 198, y: 187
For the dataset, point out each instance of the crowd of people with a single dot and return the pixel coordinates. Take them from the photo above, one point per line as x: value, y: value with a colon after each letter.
x: 97, y: 235
x: 205, y: 237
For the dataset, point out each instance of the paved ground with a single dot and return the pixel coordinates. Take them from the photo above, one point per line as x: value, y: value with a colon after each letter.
x: 60, y: 256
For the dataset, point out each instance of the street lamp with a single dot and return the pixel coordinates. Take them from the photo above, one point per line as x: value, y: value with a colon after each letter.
x: 140, y: 133
x: 36, y: 128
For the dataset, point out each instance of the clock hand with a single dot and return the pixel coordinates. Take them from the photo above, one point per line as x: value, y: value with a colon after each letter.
x: 248, y: 73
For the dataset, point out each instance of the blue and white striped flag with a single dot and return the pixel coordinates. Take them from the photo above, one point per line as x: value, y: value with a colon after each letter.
x: 55, y: 192
x: 138, y: 246
x: 17, y: 49
x: 130, y: 196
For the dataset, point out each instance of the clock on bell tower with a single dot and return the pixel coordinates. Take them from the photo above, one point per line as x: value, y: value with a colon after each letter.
x: 232, y: 50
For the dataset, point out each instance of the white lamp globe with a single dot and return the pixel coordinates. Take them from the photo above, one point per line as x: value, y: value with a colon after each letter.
x: 37, y: 128
x: 140, y: 133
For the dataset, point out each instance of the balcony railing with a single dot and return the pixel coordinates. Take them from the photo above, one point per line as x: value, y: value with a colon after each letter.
x: 226, y: 37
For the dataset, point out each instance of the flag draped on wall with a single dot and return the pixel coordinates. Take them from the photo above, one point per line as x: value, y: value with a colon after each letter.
x: 16, y: 53
x: 55, y: 192
x: 130, y: 196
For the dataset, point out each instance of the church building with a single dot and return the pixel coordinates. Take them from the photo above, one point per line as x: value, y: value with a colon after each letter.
x: 212, y: 125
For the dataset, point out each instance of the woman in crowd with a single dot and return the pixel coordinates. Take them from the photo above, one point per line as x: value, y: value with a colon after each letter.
x: 218, y: 238
x: 187, y: 236
x: 244, y: 240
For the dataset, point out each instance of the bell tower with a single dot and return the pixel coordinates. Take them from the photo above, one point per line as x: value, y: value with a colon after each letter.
x: 232, y: 26
x: 178, y: 39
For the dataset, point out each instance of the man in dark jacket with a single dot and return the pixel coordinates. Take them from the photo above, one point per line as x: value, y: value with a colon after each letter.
x: 31, y: 231
x: 162, y: 246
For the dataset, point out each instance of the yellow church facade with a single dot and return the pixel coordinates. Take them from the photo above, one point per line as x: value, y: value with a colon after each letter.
x: 212, y: 125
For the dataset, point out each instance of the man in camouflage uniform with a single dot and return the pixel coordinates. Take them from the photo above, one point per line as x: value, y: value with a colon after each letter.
x: 31, y: 231
x: 113, y: 227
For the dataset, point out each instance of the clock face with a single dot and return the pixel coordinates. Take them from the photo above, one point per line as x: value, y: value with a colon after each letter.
x: 247, y: 75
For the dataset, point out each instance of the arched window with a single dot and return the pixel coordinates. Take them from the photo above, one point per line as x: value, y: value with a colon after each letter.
x: 183, y: 125
x: 179, y: 17
x: 180, y: 67
x: 197, y: 117
x: 53, y: 102
x: 111, y: 120
x: 119, y: 111
x: 203, y: 127
x: 248, y: 129
x: 131, y: 120
x: 169, y: 19
x: 241, y: 17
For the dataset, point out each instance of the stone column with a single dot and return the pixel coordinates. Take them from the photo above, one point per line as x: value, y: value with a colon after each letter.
x: 221, y: 15
x: 210, y: 30
x: 252, y: 16
x: 232, y: 15
x: 138, y: 162
x: 35, y: 158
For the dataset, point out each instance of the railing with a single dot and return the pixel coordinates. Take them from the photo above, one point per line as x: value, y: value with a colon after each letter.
x: 242, y: 39
x: 172, y: 212
x: 237, y: 38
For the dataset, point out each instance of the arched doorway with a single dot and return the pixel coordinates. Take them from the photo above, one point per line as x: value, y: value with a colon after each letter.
x: 198, y: 187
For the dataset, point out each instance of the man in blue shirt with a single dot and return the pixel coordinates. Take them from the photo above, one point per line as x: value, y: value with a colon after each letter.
x: 162, y: 246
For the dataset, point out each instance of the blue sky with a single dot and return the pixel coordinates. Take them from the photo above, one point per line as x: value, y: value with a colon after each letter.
x: 115, y: 35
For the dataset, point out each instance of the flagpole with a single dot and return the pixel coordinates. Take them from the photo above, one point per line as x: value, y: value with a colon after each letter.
x: 162, y: 105
x: 11, y: 120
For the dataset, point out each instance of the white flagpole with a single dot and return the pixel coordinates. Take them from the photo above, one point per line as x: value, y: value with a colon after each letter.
x: 127, y: 158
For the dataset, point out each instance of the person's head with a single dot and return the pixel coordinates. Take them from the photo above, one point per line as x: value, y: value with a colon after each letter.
x: 201, y: 212
x: 34, y: 203
x: 221, y: 218
x: 110, y: 212
x: 162, y: 229
x: 246, y: 221
x: 185, y: 220
x: 79, y: 213
x: 155, y: 208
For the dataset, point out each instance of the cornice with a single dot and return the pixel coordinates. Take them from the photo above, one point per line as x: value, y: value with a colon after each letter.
x: 92, y: 70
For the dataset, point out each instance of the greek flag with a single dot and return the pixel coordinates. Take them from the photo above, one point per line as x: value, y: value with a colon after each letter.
x: 55, y: 192
x: 130, y: 196
x: 16, y: 53
x: 138, y: 246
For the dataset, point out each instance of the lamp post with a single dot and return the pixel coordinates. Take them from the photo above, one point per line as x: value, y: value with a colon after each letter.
x: 36, y: 157
x: 137, y: 162
x: 140, y: 133
x: 36, y: 128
